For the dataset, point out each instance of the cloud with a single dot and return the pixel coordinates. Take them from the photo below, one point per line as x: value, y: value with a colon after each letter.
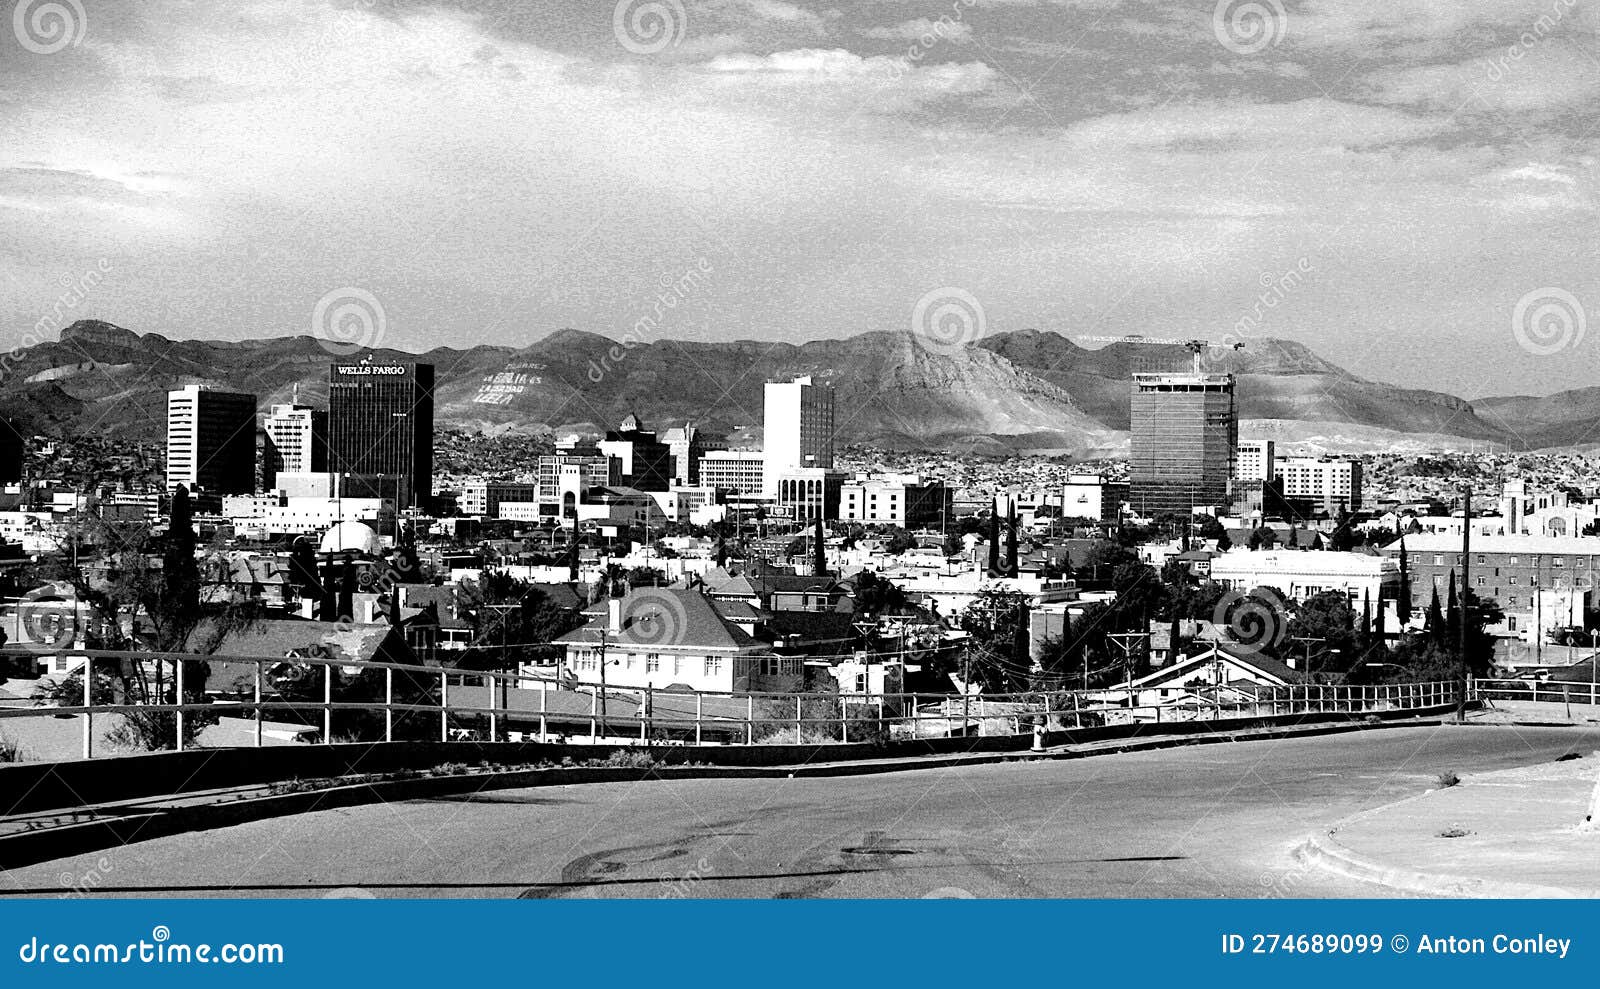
x: 923, y: 30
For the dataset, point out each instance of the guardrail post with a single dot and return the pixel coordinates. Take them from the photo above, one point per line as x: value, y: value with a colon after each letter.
x: 491, y: 685
x: 388, y: 704
x: 258, y: 703
x: 699, y: 709
x: 179, y: 712
x: 797, y: 719
x: 594, y: 712
x: 88, y: 704
x: 644, y: 716
x: 844, y: 719
x: 327, y: 704
x: 544, y: 726
x: 444, y: 706
x: 749, y: 719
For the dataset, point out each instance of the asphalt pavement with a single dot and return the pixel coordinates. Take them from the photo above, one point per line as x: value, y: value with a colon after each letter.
x: 1203, y: 821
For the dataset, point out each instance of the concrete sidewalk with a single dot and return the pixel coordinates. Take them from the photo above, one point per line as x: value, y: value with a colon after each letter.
x: 1508, y: 834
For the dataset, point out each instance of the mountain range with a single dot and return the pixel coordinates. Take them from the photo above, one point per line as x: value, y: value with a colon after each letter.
x: 1024, y: 391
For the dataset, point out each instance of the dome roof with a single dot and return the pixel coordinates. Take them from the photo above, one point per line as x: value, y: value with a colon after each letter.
x: 352, y: 536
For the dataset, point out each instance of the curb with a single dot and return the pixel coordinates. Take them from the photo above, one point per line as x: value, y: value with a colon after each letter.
x: 1321, y: 851
x: 138, y: 823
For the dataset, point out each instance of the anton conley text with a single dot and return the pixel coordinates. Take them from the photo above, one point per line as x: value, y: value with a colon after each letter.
x: 1399, y: 944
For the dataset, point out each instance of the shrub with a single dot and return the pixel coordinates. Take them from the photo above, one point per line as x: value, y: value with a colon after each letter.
x: 1447, y: 779
x: 627, y: 759
x: 10, y: 751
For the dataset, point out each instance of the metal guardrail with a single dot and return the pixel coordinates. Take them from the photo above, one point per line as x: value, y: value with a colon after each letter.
x: 1543, y: 691
x: 450, y: 704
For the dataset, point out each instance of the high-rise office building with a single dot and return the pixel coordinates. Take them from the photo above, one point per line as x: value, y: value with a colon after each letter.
x: 644, y: 462
x: 1254, y: 460
x: 797, y: 429
x: 380, y: 422
x: 688, y: 443
x: 1334, y: 486
x: 297, y: 441
x: 211, y: 441
x: 12, y: 451
x: 1184, y: 429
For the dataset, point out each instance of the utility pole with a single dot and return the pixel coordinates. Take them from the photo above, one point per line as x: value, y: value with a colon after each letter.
x: 1461, y: 629
x: 1308, y: 639
x: 603, y: 680
x: 1125, y: 641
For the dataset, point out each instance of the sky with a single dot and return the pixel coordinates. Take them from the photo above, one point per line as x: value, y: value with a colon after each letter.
x: 1409, y: 187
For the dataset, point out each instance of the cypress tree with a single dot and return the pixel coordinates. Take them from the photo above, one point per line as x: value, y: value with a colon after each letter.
x: 1011, y: 540
x: 1403, y: 605
x: 994, y: 540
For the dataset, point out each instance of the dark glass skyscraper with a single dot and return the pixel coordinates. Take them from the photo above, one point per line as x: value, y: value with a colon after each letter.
x: 380, y: 421
x: 1184, y: 430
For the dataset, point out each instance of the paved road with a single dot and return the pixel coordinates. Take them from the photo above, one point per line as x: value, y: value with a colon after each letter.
x: 1204, y: 821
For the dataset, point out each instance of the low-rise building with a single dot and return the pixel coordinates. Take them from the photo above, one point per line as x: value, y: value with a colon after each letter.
x: 662, y: 637
x: 1299, y: 575
x: 903, y: 502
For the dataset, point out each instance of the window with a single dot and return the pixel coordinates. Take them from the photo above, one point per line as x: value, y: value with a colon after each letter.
x: 1512, y: 580
x: 1512, y: 562
x: 652, y: 662
x: 1482, y: 580
x: 1558, y: 561
x: 1438, y: 560
x: 1480, y: 558
x: 713, y: 666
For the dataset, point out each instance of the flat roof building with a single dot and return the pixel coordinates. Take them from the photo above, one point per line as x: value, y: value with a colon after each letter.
x: 380, y: 421
x: 797, y: 429
x: 211, y: 440
x: 1184, y: 428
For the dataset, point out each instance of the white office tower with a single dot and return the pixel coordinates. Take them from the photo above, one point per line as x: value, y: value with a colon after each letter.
x: 298, y: 436
x: 797, y: 429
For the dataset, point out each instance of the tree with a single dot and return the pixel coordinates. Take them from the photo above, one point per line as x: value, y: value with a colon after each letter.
x: 1011, y: 540
x: 819, y: 550
x: 996, y: 622
x: 1433, y: 624
x: 1327, y: 616
x: 1343, y: 538
x: 1223, y: 542
x: 994, y: 542
x: 1404, y: 603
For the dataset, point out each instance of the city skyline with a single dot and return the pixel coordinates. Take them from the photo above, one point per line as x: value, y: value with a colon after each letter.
x: 1368, y: 179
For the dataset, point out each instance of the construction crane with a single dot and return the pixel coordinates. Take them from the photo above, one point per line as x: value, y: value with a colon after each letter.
x: 1195, y: 347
